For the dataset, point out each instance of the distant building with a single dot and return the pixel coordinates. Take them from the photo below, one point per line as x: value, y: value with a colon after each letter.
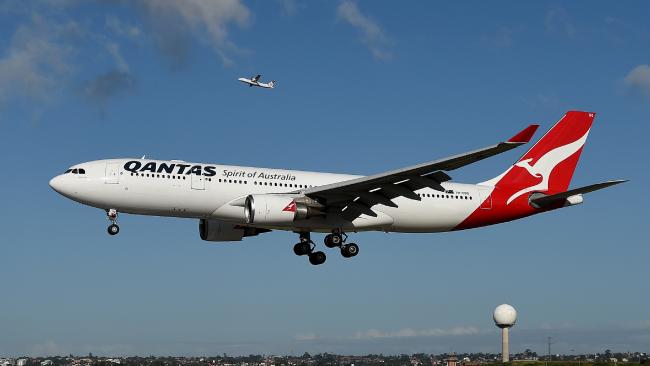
x: 21, y: 362
x: 452, y: 360
x: 47, y: 363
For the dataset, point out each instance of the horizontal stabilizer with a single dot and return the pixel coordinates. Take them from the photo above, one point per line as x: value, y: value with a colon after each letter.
x: 540, y: 200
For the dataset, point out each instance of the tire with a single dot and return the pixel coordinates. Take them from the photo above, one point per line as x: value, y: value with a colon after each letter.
x: 329, y: 241
x: 317, y: 258
x: 301, y: 248
x: 113, y: 229
x: 349, y: 250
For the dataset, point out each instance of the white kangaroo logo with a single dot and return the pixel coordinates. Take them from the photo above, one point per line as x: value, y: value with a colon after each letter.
x: 545, y: 165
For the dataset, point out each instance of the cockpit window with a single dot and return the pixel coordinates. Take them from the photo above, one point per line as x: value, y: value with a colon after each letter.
x: 74, y: 171
x: 67, y: 171
x: 82, y: 171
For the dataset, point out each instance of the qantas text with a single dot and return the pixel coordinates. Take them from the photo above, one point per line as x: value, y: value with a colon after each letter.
x: 135, y: 166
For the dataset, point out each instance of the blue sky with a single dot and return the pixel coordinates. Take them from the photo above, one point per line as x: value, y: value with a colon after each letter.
x: 363, y: 87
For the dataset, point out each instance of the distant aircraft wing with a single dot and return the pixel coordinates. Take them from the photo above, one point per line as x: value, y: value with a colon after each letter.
x: 356, y: 196
x: 256, y: 78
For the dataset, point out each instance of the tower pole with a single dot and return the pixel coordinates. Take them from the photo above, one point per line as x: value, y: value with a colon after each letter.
x: 505, y: 351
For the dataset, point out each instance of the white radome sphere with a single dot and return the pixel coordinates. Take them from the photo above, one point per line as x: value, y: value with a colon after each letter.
x: 505, y: 316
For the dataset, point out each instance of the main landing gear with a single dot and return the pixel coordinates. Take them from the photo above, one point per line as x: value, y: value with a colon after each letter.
x: 336, y: 239
x: 306, y: 247
x: 113, y: 229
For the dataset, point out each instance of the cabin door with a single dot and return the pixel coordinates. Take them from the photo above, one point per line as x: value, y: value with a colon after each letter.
x: 198, y: 181
x: 112, y: 173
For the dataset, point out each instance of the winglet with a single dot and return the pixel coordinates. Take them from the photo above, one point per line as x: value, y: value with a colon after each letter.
x: 524, y: 136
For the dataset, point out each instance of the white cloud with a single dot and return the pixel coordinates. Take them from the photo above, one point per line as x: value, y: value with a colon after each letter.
x: 114, y: 50
x: 36, y: 61
x: 372, y: 34
x: 44, y: 55
x: 122, y: 29
x: 639, y: 79
x: 558, y: 21
x: 410, y: 332
x: 290, y: 7
x: 207, y: 19
x: 105, y: 86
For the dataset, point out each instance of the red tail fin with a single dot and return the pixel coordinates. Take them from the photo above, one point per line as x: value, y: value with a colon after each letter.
x: 549, y: 165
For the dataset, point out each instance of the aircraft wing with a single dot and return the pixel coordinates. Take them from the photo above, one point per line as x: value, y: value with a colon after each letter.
x: 356, y: 196
x: 256, y: 78
x: 543, y: 200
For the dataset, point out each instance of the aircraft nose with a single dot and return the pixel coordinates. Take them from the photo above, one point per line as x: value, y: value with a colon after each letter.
x: 57, y: 184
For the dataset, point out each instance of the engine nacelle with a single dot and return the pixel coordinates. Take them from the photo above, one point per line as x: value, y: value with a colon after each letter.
x: 217, y: 230
x: 272, y: 209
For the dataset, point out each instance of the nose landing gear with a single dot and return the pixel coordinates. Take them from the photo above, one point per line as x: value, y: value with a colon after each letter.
x: 113, y: 229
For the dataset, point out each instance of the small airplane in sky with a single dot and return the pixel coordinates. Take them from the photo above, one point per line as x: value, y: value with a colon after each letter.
x: 255, y: 81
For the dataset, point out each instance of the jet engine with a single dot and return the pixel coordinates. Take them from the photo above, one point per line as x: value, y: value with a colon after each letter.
x: 272, y: 209
x: 217, y: 230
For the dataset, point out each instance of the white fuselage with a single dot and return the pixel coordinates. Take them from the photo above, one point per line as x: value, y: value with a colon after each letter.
x: 252, y: 82
x: 210, y: 191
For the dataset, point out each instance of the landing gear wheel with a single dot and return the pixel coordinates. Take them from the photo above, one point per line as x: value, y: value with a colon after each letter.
x: 113, y: 229
x: 302, y: 248
x: 317, y: 258
x: 349, y: 250
x: 333, y: 240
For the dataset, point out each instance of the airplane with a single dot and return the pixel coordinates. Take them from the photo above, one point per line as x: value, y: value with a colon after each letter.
x: 255, y: 81
x: 233, y: 202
